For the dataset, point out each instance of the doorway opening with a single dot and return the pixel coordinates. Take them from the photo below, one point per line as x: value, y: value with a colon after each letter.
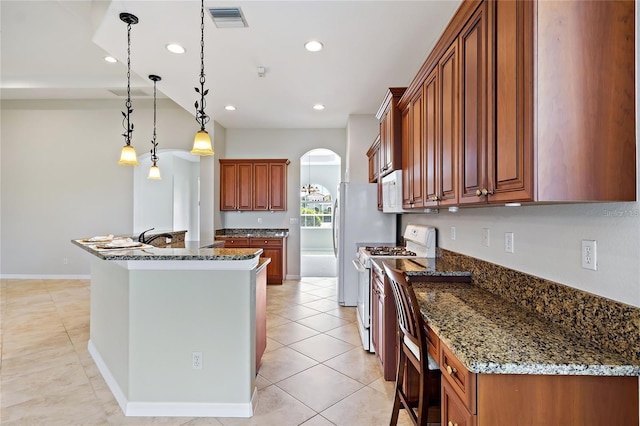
x: 319, y: 180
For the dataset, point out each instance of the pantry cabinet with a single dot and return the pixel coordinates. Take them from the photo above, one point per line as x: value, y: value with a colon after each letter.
x: 253, y: 185
x: 516, y: 108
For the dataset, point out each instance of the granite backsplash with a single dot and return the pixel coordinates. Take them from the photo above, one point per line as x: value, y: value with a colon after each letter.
x: 611, y: 324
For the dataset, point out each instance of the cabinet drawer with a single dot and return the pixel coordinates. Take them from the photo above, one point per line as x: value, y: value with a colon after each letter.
x: 461, y: 380
x: 433, y: 342
x: 235, y: 242
x: 266, y: 242
x: 454, y: 412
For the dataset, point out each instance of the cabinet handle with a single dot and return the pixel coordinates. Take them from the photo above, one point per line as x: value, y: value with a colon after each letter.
x: 486, y: 192
x: 451, y: 370
x: 452, y: 423
x: 435, y: 198
x: 478, y: 192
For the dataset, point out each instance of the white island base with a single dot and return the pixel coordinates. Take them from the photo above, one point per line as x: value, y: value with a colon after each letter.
x: 149, y: 317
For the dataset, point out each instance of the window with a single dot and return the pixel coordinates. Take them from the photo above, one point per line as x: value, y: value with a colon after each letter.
x: 316, y: 207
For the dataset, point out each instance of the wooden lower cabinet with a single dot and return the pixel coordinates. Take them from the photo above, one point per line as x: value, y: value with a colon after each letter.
x: 273, y: 248
x: 384, y: 324
x: 534, y: 400
x: 261, y: 315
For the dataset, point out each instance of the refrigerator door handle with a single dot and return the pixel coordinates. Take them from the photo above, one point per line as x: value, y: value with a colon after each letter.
x: 358, y: 266
x: 335, y: 228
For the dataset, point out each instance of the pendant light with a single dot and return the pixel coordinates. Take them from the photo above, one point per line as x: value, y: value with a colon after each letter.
x: 128, y: 155
x: 154, y: 171
x: 202, y: 141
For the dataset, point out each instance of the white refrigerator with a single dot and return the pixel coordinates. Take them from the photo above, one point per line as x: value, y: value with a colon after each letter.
x: 357, y: 220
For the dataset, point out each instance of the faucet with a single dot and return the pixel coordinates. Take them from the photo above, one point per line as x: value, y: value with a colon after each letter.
x: 144, y: 240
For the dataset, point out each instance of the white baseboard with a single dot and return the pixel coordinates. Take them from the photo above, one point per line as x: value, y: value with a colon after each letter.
x: 292, y: 277
x: 170, y: 409
x: 44, y: 277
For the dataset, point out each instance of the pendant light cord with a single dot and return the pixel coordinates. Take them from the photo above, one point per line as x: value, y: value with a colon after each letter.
x: 201, y: 117
x: 154, y: 156
x: 128, y: 127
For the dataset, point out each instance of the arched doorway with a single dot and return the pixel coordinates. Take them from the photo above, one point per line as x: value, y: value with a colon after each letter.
x: 319, y: 180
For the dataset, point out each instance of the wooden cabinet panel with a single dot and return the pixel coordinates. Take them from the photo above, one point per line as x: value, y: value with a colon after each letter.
x: 390, y: 119
x: 384, y: 324
x: 412, y: 153
x: 447, y: 170
x: 261, y: 315
x: 453, y: 410
x: 461, y: 380
x: 276, y: 250
x: 261, y: 186
x: 585, y: 95
x: 510, y: 157
x: 373, y: 156
x: 228, y: 186
x: 236, y: 185
x: 431, y: 138
x: 234, y: 242
x: 245, y: 186
x: 473, y: 87
x: 278, y: 186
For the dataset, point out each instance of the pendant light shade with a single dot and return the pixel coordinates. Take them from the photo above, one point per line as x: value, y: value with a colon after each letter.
x: 202, y: 140
x: 154, y: 171
x: 202, y: 144
x: 128, y: 155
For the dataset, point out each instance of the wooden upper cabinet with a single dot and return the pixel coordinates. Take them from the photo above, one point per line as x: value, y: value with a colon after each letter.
x: 448, y: 127
x: 253, y: 185
x: 390, y: 119
x: 236, y: 185
x: 373, y: 156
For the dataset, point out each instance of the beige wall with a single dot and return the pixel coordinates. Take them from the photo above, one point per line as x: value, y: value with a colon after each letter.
x: 60, y: 179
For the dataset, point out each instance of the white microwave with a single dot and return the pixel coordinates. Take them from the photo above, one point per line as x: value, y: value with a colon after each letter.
x: 392, y: 192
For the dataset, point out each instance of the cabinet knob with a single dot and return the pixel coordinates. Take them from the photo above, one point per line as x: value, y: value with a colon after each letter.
x: 486, y: 192
x: 452, y: 423
x: 478, y: 192
x: 435, y: 198
x: 451, y: 370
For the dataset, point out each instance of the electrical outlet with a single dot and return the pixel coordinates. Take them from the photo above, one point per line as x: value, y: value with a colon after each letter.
x: 589, y: 255
x: 508, y: 242
x: 196, y: 360
x: 453, y: 232
x: 485, y: 237
x: 259, y: 221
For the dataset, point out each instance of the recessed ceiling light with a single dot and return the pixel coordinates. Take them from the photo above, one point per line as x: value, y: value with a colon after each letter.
x: 175, y: 48
x: 110, y: 59
x: 313, y: 46
x: 318, y: 107
x: 230, y: 108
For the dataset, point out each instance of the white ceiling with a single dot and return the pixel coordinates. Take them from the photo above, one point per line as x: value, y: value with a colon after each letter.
x: 54, y: 50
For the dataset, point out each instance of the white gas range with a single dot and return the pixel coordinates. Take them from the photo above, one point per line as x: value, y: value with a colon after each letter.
x: 420, y: 242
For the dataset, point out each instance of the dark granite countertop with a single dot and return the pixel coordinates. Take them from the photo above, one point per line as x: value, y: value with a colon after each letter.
x: 252, y: 232
x: 194, y: 250
x: 491, y: 335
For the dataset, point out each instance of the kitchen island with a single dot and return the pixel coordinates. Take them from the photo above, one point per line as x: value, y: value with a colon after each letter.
x: 503, y: 364
x: 173, y: 330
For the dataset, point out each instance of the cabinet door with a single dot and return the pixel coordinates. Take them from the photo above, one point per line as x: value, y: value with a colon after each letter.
x: 450, y: 125
x: 386, y: 133
x: 431, y: 138
x: 245, y: 186
x: 406, y: 157
x: 375, y: 317
x: 228, y: 186
x: 473, y: 82
x: 453, y: 410
x: 510, y: 160
x: 277, y: 186
x: 274, y: 269
x: 416, y: 110
x: 261, y: 186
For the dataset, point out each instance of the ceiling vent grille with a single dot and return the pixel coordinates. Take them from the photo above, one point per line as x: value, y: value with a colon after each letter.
x: 228, y: 17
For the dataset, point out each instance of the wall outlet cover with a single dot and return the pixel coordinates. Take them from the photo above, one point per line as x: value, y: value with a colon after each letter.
x: 588, y: 255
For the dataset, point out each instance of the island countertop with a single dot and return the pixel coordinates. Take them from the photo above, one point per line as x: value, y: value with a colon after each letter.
x: 493, y: 336
x: 193, y: 251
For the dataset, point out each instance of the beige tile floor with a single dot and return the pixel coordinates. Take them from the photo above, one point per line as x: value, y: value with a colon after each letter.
x: 314, y: 371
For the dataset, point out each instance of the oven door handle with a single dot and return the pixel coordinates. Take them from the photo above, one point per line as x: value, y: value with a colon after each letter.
x: 358, y: 266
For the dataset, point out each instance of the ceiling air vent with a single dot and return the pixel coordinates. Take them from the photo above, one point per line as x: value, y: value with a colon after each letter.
x: 228, y: 17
